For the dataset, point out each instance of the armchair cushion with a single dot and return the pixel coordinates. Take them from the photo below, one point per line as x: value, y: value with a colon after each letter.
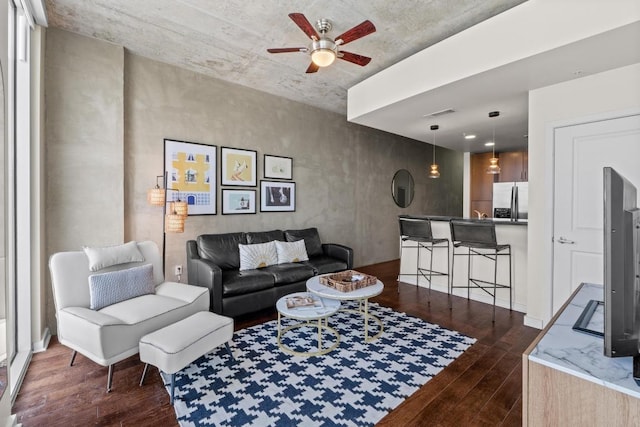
x: 115, y: 286
x: 311, y: 239
x: 107, y: 256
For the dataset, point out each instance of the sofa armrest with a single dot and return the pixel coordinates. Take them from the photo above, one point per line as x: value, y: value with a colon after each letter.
x: 341, y: 252
x: 203, y: 272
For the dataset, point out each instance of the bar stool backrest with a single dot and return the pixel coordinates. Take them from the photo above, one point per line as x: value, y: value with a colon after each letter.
x: 416, y: 228
x: 474, y: 232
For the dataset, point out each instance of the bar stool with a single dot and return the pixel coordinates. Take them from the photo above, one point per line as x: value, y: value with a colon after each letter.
x: 419, y: 231
x: 480, y: 238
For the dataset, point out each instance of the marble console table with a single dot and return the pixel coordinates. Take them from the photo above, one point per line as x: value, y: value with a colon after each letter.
x: 567, y: 379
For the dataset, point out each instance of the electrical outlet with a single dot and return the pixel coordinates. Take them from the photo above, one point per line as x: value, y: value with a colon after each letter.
x: 178, y: 270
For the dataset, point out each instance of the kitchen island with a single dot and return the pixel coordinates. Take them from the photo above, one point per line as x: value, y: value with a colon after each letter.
x: 511, y: 232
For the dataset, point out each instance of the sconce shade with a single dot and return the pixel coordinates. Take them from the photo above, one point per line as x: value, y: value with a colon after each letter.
x: 434, y: 173
x: 173, y: 222
x: 181, y: 208
x: 155, y: 196
x: 493, y: 168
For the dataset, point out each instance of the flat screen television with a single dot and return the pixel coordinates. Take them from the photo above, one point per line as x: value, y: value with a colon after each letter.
x: 621, y: 268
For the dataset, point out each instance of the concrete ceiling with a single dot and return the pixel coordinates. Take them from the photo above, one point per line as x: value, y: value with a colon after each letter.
x: 228, y: 39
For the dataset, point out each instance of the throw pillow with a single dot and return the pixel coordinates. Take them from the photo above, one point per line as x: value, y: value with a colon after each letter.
x: 311, y: 240
x: 107, y: 256
x: 257, y: 256
x: 120, y: 285
x: 291, y: 251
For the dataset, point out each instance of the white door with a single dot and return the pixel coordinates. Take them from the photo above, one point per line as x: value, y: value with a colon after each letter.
x: 580, y: 153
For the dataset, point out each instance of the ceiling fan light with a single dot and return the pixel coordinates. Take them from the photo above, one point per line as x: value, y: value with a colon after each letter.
x: 323, y: 57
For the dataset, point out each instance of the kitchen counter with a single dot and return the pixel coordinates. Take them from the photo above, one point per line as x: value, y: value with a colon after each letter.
x: 497, y: 221
x: 513, y: 233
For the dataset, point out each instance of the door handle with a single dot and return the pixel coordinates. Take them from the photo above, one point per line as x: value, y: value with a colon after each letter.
x: 564, y: 241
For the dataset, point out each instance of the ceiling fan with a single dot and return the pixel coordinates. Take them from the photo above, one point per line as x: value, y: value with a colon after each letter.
x: 323, y: 49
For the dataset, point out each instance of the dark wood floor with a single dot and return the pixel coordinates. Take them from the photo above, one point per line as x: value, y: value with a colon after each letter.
x: 483, y: 387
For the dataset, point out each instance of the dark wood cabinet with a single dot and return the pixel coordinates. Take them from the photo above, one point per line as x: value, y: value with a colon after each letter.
x: 513, y: 166
x: 481, y: 191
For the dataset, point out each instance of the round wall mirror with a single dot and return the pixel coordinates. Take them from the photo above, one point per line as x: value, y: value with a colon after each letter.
x: 402, y: 188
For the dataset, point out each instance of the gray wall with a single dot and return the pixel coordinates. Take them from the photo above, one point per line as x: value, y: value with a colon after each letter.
x: 342, y: 171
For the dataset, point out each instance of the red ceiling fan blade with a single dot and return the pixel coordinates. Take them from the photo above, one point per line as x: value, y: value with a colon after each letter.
x: 354, y: 57
x: 312, y: 68
x: 356, y: 32
x: 304, y: 24
x: 287, y: 49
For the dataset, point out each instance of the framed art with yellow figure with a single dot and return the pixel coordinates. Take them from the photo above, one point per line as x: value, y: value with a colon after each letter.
x: 239, y: 167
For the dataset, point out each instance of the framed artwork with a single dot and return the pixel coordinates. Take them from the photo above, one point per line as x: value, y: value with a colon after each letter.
x: 235, y: 202
x: 277, y: 196
x: 238, y: 167
x: 277, y: 167
x: 191, y: 175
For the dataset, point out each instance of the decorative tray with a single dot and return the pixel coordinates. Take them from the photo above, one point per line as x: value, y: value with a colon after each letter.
x: 348, y: 280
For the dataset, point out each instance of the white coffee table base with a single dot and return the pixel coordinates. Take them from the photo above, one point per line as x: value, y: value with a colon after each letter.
x: 310, y: 317
x: 366, y: 316
x: 361, y: 295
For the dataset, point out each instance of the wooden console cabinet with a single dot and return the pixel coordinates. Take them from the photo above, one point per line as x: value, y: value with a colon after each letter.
x: 567, y: 380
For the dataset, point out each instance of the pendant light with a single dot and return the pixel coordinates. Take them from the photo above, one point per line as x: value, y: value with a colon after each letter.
x: 494, y: 168
x: 434, y: 173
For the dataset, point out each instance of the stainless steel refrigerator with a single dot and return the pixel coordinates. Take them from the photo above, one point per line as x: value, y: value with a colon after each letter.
x: 511, y: 200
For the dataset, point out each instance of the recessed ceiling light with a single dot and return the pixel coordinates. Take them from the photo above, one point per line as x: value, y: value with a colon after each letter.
x: 489, y: 144
x: 469, y: 136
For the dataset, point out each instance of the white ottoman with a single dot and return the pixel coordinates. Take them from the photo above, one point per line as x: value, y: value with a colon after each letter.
x: 174, y: 347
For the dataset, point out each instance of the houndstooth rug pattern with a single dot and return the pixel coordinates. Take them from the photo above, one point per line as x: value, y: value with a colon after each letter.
x: 356, y: 384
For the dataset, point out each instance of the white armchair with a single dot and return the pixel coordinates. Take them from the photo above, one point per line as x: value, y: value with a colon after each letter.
x: 110, y: 334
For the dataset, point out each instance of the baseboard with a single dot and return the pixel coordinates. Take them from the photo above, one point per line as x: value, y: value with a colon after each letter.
x: 42, y: 345
x: 533, y: 322
x: 12, y: 421
x: 17, y: 371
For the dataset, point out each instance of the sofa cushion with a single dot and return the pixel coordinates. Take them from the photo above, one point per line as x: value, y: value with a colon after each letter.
x: 106, y: 256
x: 311, y: 239
x: 291, y: 251
x: 264, y: 236
x: 221, y: 249
x: 290, y: 273
x: 235, y: 282
x: 325, y: 264
x: 259, y: 255
x: 120, y: 285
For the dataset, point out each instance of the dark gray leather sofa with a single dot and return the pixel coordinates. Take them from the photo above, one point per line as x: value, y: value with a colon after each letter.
x: 213, y: 261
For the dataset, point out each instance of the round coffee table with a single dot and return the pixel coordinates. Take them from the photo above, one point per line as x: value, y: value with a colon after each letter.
x: 321, y: 310
x: 361, y: 295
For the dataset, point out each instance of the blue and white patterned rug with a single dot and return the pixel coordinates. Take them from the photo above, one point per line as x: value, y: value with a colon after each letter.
x: 356, y: 384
